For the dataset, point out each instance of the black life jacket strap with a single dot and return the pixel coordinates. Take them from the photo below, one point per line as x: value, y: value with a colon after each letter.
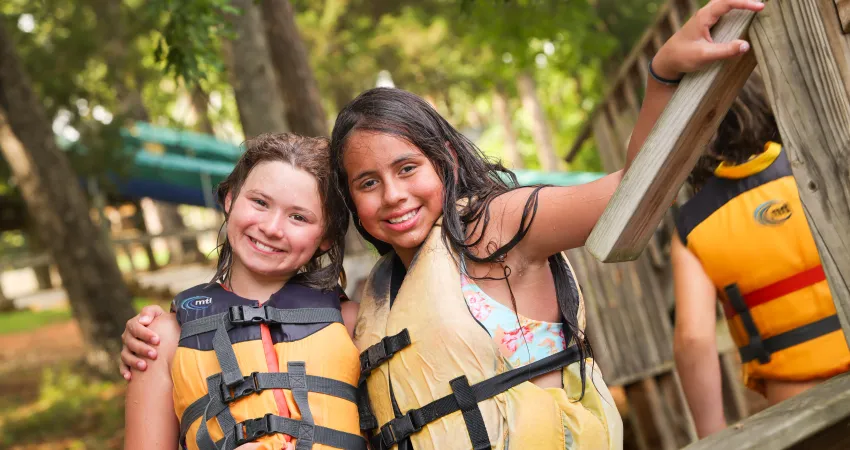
x: 756, y: 344
x: 253, y: 429
x: 791, y: 338
x: 250, y: 315
x: 370, y: 359
x: 222, y: 395
x: 414, y: 420
x: 382, y: 351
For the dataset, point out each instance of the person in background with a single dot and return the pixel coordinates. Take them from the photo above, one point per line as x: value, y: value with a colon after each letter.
x: 744, y: 238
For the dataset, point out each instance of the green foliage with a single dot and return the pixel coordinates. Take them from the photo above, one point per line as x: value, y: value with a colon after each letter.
x: 193, y: 29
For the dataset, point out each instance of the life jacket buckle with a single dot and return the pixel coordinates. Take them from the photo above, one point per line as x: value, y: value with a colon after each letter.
x: 401, y: 427
x: 244, y: 388
x: 253, y: 429
x: 243, y: 314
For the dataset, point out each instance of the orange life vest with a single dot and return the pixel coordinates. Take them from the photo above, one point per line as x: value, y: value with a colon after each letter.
x: 236, y: 357
x: 748, y: 229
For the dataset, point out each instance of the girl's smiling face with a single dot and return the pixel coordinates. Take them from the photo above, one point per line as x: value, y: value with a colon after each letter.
x: 276, y: 223
x: 395, y: 188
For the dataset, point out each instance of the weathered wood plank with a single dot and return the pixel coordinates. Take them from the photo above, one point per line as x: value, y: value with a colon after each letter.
x: 671, y: 150
x: 789, y: 423
x: 843, y: 7
x: 804, y: 56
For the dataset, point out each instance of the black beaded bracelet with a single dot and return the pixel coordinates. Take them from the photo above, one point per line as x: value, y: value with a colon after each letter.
x: 663, y: 80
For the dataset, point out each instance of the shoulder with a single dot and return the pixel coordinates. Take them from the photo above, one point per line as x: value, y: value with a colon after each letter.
x: 350, y: 309
x: 168, y: 330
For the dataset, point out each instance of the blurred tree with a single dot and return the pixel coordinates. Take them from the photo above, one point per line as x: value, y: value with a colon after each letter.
x: 98, y: 296
x: 304, y: 110
x: 252, y: 73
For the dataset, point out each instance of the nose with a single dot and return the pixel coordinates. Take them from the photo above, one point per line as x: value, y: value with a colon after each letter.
x: 394, y: 192
x: 273, y: 225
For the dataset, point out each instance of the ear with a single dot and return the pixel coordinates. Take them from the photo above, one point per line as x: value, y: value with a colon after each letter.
x: 325, y: 245
x: 451, y: 150
x: 228, y: 199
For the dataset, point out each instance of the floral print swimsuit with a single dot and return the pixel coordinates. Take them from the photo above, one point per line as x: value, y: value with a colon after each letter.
x: 541, y: 339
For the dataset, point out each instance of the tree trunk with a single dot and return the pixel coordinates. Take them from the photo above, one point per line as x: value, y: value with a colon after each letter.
x: 98, y: 296
x: 35, y: 246
x: 200, y: 106
x: 304, y: 110
x: 512, y: 157
x: 539, y: 129
x: 252, y: 74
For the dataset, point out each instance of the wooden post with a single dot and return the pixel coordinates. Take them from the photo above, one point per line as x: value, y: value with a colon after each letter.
x: 804, y: 58
x: 804, y: 62
x: 671, y: 150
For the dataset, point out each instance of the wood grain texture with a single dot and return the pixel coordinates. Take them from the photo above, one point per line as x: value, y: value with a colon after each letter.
x: 788, y: 424
x: 671, y: 150
x: 804, y: 60
x: 843, y: 8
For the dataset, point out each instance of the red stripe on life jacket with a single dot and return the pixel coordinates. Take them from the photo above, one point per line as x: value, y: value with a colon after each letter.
x: 780, y: 288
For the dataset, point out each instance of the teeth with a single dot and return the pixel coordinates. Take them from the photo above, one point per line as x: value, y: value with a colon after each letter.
x: 404, y: 217
x: 264, y: 247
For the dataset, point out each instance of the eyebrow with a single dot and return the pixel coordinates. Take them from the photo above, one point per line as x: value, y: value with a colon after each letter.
x: 403, y: 158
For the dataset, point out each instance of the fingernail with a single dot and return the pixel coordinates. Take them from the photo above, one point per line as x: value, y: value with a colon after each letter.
x: 155, y: 340
x: 152, y: 354
x: 144, y: 318
x: 140, y: 365
x: 744, y: 47
x: 126, y: 376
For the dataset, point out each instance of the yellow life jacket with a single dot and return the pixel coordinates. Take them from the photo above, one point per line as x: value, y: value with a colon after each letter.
x: 245, y: 372
x: 748, y: 229
x: 433, y: 378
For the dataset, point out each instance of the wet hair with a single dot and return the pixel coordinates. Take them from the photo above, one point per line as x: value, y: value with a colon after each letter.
x: 324, y: 271
x: 742, y: 133
x: 466, y: 173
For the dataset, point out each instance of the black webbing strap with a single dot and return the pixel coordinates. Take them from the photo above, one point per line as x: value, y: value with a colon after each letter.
x: 298, y: 382
x: 368, y: 421
x: 465, y: 398
x: 249, y: 315
x: 382, y: 351
x: 756, y: 344
x: 253, y: 429
x: 370, y: 359
x: 793, y: 337
x: 258, y: 382
x: 414, y: 420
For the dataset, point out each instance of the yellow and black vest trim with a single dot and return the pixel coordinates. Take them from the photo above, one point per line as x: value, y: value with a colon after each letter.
x: 748, y: 229
x: 299, y: 321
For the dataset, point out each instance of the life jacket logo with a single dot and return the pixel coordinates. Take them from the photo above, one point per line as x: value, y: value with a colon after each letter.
x: 196, y: 303
x: 772, y: 212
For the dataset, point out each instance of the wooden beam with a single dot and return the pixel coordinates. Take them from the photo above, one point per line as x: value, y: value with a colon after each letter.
x: 843, y: 7
x: 672, y: 149
x: 789, y: 424
x: 803, y: 56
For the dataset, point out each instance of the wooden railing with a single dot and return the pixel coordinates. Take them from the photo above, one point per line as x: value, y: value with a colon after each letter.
x: 804, y: 57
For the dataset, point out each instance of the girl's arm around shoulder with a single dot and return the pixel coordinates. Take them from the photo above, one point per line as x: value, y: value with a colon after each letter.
x: 151, y: 422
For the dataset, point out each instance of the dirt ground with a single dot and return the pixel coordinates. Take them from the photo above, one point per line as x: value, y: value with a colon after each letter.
x: 48, y: 402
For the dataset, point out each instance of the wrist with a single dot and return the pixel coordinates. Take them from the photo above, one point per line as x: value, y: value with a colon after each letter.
x: 660, y: 65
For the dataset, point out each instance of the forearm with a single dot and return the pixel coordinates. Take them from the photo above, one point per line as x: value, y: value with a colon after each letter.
x: 699, y: 368
x: 656, y: 99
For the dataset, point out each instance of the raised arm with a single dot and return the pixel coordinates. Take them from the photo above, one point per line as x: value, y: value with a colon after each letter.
x: 695, y: 341
x: 150, y: 421
x: 566, y: 215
